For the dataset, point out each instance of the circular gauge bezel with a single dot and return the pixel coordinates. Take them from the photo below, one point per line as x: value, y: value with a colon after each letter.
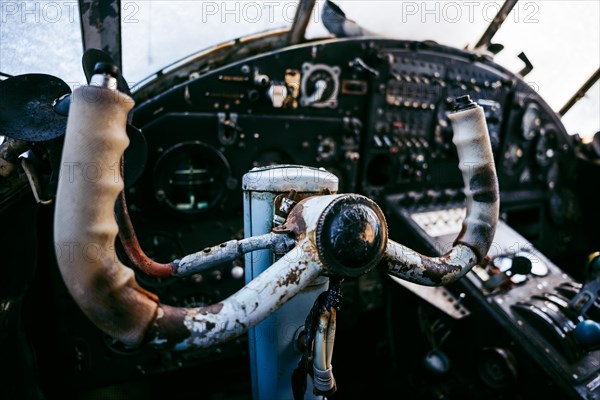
x: 308, y: 70
x: 199, y: 151
x: 538, y: 266
x: 327, y: 149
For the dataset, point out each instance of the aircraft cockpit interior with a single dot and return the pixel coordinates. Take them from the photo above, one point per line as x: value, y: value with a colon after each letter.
x: 299, y: 200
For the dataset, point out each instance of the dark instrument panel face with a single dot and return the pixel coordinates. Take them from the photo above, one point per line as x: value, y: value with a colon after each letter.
x: 372, y: 112
x: 390, y: 100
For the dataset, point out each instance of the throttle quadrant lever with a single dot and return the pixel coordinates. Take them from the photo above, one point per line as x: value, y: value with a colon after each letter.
x: 341, y: 235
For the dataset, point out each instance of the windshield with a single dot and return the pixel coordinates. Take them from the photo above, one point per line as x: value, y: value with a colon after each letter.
x: 41, y: 37
x: 45, y: 37
x: 157, y: 33
x: 560, y: 38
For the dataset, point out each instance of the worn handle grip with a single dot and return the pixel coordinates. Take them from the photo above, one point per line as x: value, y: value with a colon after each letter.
x: 476, y: 163
x: 85, y: 227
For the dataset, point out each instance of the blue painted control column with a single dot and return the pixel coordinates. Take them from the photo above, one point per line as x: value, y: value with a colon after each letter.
x: 273, y: 356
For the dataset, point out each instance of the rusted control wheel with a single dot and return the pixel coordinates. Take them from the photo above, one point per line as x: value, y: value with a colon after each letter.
x: 344, y: 235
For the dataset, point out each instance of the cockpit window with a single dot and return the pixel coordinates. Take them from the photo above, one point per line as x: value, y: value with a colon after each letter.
x: 41, y: 37
x: 583, y: 118
x: 562, y: 41
x: 157, y: 33
x: 560, y: 38
x: 450, y: 23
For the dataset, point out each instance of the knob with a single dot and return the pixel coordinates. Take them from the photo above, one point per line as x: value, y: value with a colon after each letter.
x: 107, y: 69
x: 351, y: 236
x: 437, y: 362
x: 592, y: 268
x: 463, y: 103
x: 587, y: 332
x: 518, y: 266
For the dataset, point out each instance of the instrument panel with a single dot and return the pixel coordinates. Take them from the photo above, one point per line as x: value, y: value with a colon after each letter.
x: 372, y: 112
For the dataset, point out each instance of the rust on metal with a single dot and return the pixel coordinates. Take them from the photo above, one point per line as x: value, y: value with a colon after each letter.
x: 169, y: 325
x: 11, y: 149
x: 407, y: 264
x: 291, y: 278
x: 6, y: 168
x: 131, y: 245
x: 212, y: 309
x: 437, y: 271
x: 101, y: 26
x: 229, y: 251
x: 188, y: 328
x: 295, y: 223
x: 351, y: 235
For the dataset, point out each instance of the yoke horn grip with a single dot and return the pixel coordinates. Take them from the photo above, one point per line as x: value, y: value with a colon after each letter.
x: 476, y: 163
x: 85, y: 227
x: 479, y: 227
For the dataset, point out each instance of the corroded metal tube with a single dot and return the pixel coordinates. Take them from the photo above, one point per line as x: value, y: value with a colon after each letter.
x: 106, y: 291
x: 409, y: 265
x: 187, y: 328
x: 131, y: 245
x: 196, y: 262
x: 229, y: 251
x: 476, y: 163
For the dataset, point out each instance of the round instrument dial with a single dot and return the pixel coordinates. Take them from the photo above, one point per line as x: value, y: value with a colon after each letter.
x: 191, y: 178
x: 320, y: 85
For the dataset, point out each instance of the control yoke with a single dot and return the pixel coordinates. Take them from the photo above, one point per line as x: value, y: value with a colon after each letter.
x: 342, y: 235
